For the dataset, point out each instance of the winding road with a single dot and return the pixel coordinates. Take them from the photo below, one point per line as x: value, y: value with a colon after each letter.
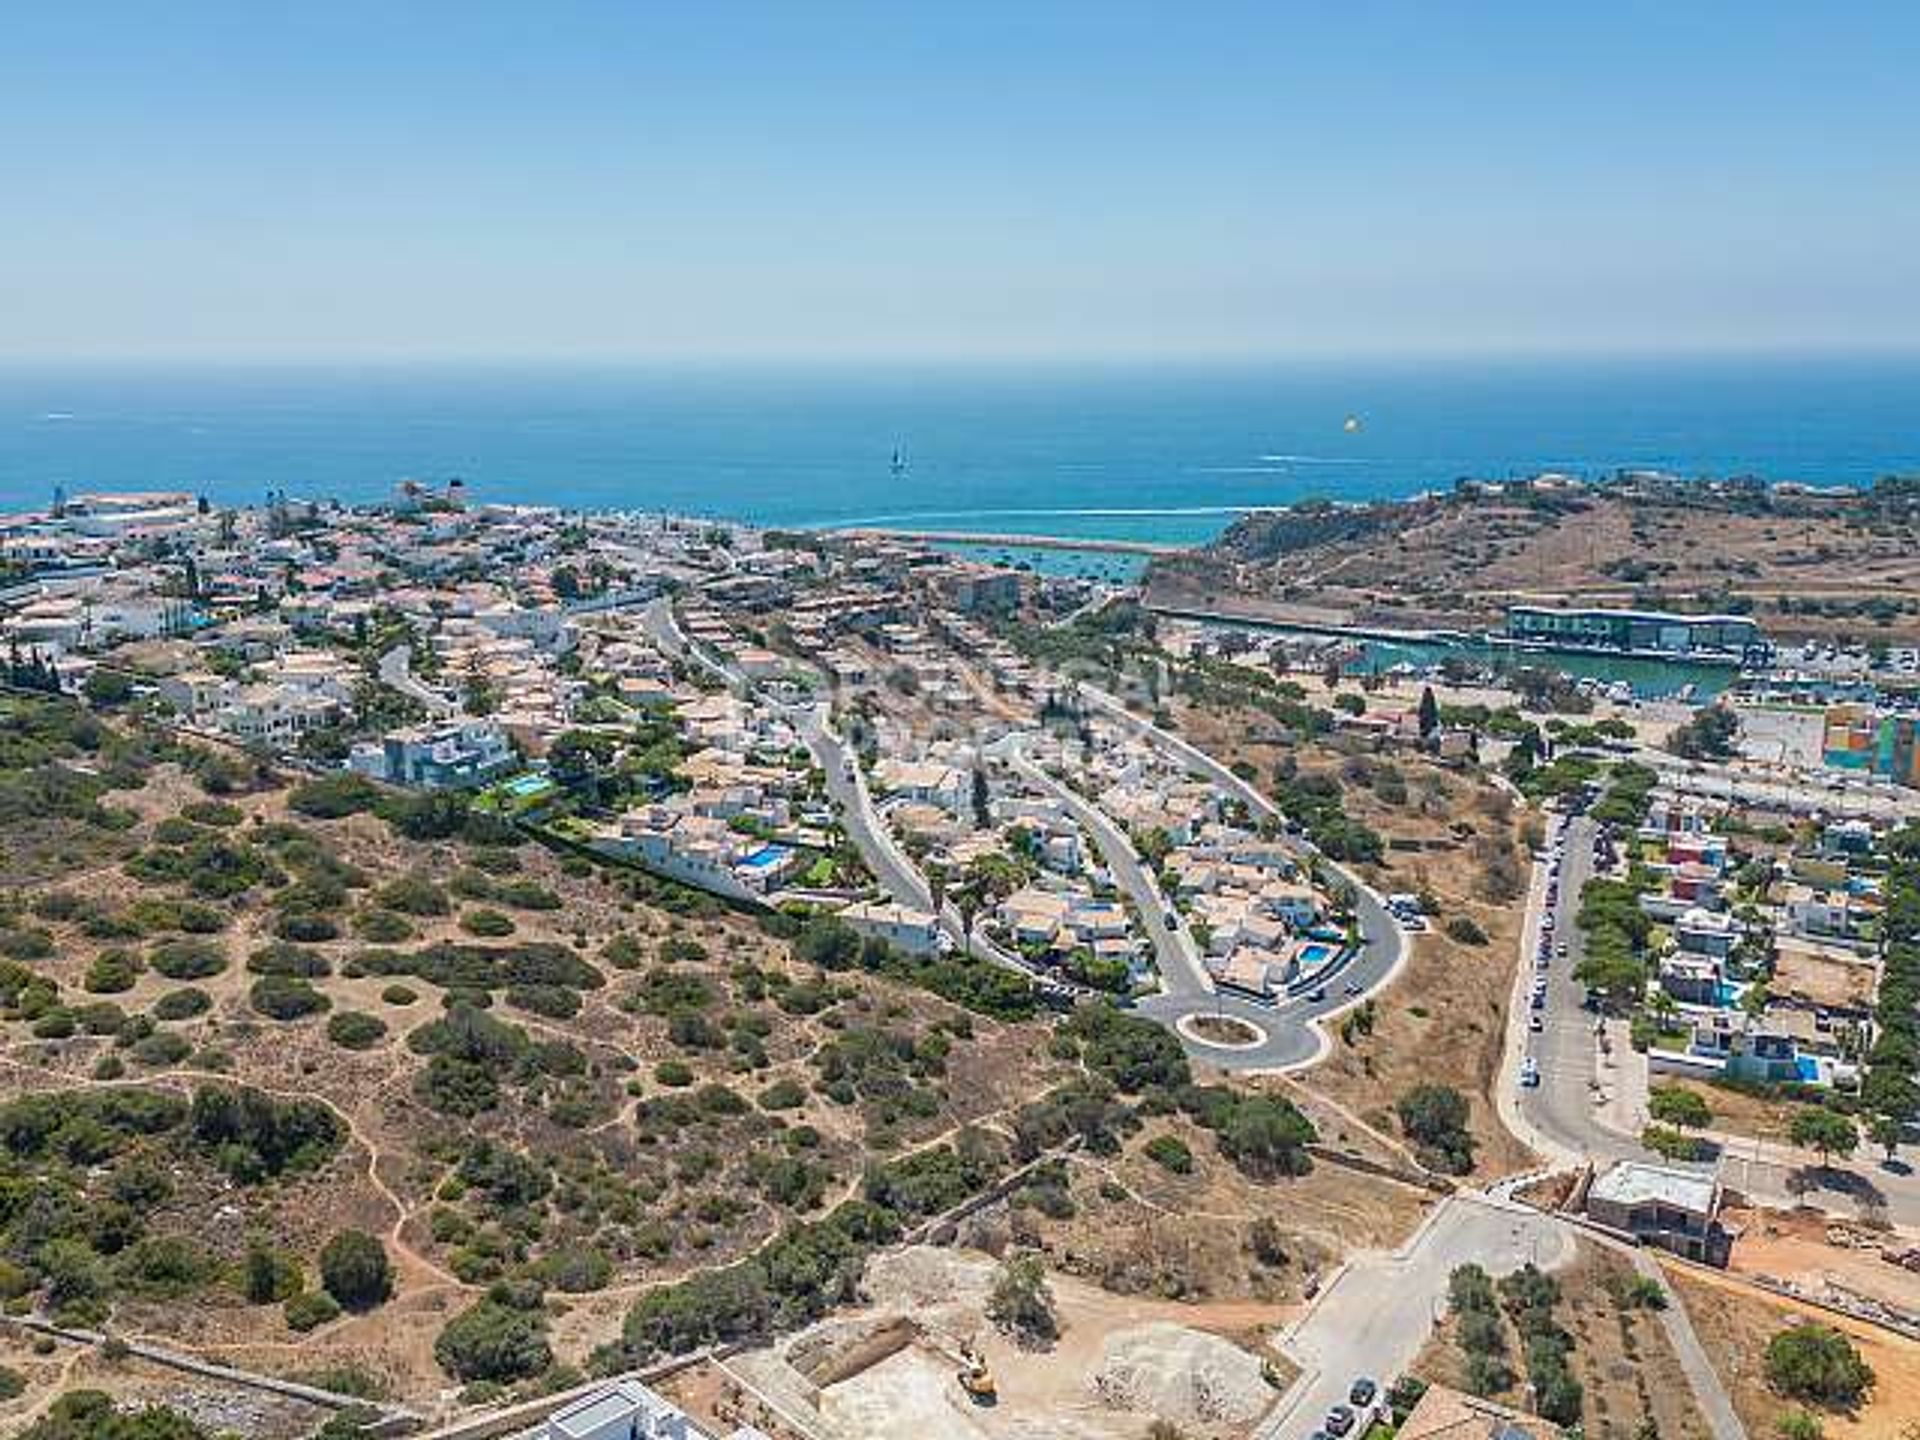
x: 1293, y: 1033
x: 1181, y: 968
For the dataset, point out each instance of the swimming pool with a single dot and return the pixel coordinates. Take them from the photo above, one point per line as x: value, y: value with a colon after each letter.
x: 1312, y: 957
x: 522, y: 786
x: 766, y: 857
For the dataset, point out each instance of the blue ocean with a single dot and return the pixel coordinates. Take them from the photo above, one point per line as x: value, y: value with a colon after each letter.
x: 1136, y: 452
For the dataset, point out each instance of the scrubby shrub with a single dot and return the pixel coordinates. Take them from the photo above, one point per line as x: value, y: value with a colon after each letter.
x: 1171, y: 1153
x: 1819, y: 1364
x: 414, y: 895
x: 187, y: 959
x: 161, y: 1049
x: 182, y: 1004
x: 382, y: 927
x: 1435, y: 1118
x: 355, y: 1271
x: 501, y: 1337
x: 489, y: 923
x: 356, y: 1030
x: 112, y: 972
x: 286, y: 998
x: 309, y: 1310
x: 783, y: 1094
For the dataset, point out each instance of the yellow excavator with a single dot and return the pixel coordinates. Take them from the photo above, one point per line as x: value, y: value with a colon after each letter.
x: 974, y: 1374
x: 976, y: 1378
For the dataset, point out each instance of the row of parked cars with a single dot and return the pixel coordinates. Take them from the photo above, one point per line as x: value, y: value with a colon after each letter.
x: 1548, y: 949
x: 1356, y: 1414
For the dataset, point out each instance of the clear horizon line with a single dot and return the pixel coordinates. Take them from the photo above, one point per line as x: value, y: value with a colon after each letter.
x: 329, y: 359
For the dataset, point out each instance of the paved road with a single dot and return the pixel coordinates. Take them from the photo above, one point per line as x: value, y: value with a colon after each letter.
x: 1561, y: 1110
x: 663, y: 629
x: 1567, y: 1120
x: 848, y: 788
x: 396, y: 670
x: 1181, y: 970
x: 1799, y: 796
x: 1293, y: 1036
x: 1379, y: 1309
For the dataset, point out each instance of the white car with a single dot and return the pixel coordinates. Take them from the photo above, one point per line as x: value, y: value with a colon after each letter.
x: 1529, y: 1073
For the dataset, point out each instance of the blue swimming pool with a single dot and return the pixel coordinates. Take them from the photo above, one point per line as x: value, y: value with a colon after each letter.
x: 522, y: 786
x: 766, y: 857
x: 1809, y: 1069
x: 1314, y: 956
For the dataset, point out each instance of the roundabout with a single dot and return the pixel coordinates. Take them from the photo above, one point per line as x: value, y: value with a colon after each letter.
x: 1220, y: 1031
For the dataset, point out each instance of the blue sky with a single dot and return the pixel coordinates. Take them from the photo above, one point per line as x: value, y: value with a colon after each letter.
x: 978, y: 180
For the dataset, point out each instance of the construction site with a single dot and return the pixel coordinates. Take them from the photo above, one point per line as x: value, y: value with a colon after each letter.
x: 922, y: 1349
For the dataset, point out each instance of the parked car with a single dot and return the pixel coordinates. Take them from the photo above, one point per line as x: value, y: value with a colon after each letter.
x: 1339, y: 1420
x: 1536, y: 1022
x: 1529, y: 1073
x: 1361, y: 1393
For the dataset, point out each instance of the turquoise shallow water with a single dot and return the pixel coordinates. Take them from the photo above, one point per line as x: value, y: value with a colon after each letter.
x: 1135, y: 453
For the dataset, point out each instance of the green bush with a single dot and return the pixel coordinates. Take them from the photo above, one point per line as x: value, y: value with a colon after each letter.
x: 182, y: 1004
x: 283, y: 959
x: 112, y: 972
x: 501, y: 1337
x: 355, y: 1271
x: 309, y: 1310
x: 161, y: 1049
x: 253, y: 1136
x: 555, y: 1002
x: 575, y: 1269
x: 306, y: 928
x: 1435, y: 1118
x: 356, y: 1030
x: 489, y: 923
x: 414, y: 895
x: 623, y: 952
x: 783, y: 1094
x: 269, y: 1276
x: 1170, y: 1152
x: 1818, y: 1364
x: 674, y: 1073
x: 333, y: 797
x: 286, y: 998
x: 526, y: 895
x: 216, y: 814
x: 101, y: 1017
x: 187, y: 959
x: 382, y: 927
